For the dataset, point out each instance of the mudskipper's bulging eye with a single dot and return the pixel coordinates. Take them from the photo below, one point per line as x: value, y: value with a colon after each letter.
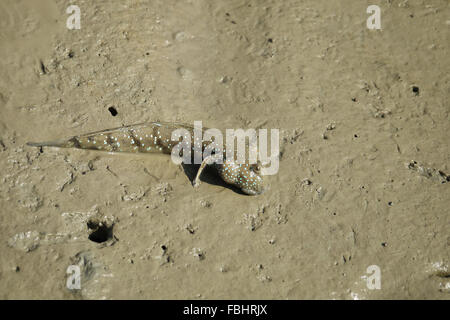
x: 256, y: 168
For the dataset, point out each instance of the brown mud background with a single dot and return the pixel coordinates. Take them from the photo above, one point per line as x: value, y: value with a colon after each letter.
x: 354, y: 107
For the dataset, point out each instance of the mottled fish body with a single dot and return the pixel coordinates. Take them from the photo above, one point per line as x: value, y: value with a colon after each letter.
x: 138, y: 138
x: 156, y: 137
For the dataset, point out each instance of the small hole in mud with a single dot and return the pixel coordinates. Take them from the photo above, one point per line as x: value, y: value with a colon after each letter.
x: 100, y: 231
x: 43, y: 67
x: 113, y: 111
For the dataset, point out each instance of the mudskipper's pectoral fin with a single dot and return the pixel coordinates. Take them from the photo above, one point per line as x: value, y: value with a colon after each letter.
x: 206, y: 162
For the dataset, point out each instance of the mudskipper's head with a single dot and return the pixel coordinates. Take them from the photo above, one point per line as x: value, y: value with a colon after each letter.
x: 244, y: 176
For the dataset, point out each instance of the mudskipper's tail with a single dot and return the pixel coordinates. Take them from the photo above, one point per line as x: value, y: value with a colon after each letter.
x: 58, y: 144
